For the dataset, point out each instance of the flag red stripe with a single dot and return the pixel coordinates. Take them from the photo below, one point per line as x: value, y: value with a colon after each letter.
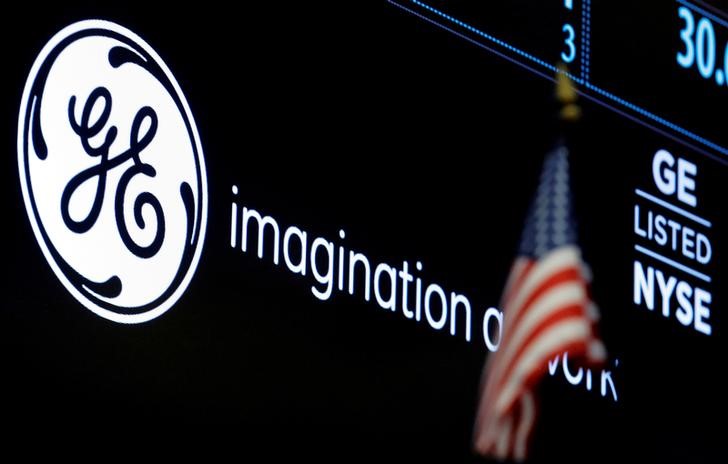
x: 487, y: 447
x: 558, y: 316
x: 547, y: 310
x: 565, y: 257
x: 487, y: 413
x: 576, y: 348
x: 569, y: 274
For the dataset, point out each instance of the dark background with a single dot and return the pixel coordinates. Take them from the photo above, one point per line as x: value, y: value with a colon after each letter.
x: 421, y: 146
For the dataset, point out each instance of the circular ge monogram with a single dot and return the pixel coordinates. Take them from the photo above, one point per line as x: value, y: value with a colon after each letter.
x: 112, y: 171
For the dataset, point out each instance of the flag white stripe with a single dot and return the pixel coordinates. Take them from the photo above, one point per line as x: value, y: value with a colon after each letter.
x: 523, y: 431
x: 547, y: 310
x: 553, y: 300
x: 503, y: 442
x: 556, y: 261
x: 562, y: 333
x: 596, y: 352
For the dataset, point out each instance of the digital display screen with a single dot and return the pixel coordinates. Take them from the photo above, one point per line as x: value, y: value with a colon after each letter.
x: 396, y: 229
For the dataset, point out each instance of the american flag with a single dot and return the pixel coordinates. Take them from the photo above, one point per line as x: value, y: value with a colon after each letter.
x: 547, y: 311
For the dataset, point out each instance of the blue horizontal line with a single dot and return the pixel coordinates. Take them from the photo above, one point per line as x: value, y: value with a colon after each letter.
x: 540, y: 62
x: 673, y: 208
x: 641, y: 121
x: 672, y: 263
x: 503, y: 44
x: 708, y: 6
x: 704, y: 12
x: 658, y: 119
x: 485, y: 47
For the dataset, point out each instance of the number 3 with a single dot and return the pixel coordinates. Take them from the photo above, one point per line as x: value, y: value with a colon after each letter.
x: 568, y: 58
x: 686, y: 60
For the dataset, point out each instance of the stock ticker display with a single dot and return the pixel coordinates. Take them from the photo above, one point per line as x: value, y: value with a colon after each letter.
x: 402, y: 229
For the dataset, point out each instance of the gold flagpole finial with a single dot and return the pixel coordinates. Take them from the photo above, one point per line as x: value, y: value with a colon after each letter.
x: 567, y: 95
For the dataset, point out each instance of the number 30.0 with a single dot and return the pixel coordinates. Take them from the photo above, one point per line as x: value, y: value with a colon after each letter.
x: 699, y: 43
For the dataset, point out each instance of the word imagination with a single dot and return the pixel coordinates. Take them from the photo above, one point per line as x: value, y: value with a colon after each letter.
x: 397, y: 288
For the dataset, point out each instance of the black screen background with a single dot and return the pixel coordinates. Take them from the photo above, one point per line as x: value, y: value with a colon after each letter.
x: 349, y: 115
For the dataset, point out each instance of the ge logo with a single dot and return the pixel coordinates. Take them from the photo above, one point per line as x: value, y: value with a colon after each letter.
x: 112, y: 171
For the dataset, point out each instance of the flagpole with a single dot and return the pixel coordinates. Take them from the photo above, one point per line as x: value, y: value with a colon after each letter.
x: 567, y: 96
x: 547, y: 309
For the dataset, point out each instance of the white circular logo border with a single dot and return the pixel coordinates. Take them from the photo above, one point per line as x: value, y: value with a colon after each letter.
x: 22, y: 131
